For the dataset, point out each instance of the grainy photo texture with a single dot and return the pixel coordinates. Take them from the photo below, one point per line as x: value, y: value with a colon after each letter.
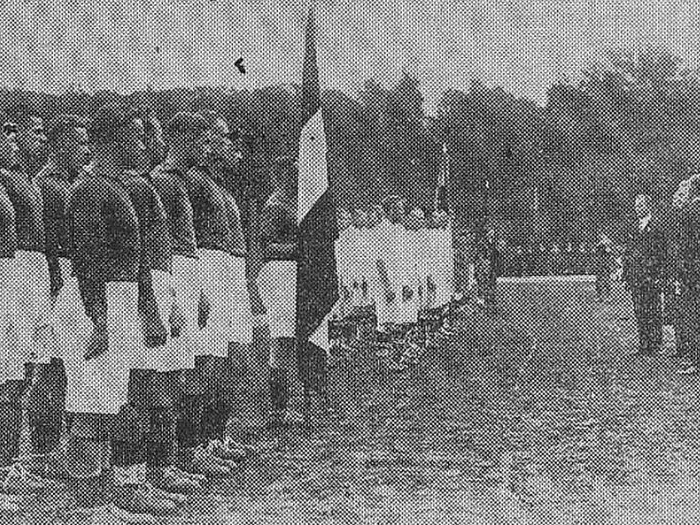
x: 365, y: 262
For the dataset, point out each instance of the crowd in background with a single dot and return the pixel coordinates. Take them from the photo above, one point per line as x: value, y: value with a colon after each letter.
x: 569, y: 258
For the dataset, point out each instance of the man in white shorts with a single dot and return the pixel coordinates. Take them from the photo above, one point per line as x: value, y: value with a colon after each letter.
x: 29, y: 350
x: 276, y: 253
x: 106, y: 256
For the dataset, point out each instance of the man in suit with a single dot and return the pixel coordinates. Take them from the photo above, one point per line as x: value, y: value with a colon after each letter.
x: 644, y: 264
x: 689, y: 255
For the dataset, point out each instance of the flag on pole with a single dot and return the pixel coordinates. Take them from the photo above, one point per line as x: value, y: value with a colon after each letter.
x: 441, y: 192
x: 317, y: 279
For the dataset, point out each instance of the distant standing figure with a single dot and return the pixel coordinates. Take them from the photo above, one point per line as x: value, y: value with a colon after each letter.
x: 519, y: 263
x: 489, y: 258
x: 568, y: 259
x: 603, y: 267
x: 643, y: 269
x: 555, y: 259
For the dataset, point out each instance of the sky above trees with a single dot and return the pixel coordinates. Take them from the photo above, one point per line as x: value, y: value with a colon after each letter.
x: 521, y: 45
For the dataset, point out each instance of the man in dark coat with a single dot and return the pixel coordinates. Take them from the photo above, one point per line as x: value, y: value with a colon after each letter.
x: 644, y: 265
x: 689, y: 255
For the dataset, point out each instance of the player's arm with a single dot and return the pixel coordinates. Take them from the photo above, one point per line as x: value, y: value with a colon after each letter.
x: 88, y: 233
x: 51, y: 214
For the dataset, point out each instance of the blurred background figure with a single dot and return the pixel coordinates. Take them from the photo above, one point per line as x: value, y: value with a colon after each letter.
x: 489, y: 264
x: 604, y: 262
x: 644, y: 265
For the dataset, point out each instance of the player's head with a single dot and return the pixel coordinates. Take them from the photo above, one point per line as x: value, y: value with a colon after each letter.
x: 222, y: 139
x: 31, y: 136
x: 188, y: 138
x: 416, y: 219
x: 642, y: 205
x: 394, y: 208
x: 117, y: 131
x: 440, y: 218
x: 344, y: 219
x: 68, y: 141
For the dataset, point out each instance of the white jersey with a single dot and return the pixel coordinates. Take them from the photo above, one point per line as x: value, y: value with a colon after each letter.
x: 388, y: 244
x: 364, y: 249
x: 341, y: 257
x: 442, y: 264
x: 407, y: 275
x: 423, y: 263
x: 375, y: 248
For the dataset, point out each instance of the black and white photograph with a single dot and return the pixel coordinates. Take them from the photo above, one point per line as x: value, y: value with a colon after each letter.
x: 373, y: 262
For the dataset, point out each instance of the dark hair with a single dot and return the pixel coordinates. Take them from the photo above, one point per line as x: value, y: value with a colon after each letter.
x: 184, y: 123
x: 22, y: 114
x: 109, y: 121
x: 389, y: 201
x: 61, y: 125
x: 212, y: 117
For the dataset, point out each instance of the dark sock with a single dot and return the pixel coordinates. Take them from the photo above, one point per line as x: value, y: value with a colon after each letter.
x: 216, y: 415
x: 128, y: 453
x: 161, y: 439
x: 45, y: 438
x: 189, y: 421
x: 279, y: 389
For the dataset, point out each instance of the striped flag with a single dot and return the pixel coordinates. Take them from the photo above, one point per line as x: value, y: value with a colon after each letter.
x: 442, y: 202
x: 317, y: 280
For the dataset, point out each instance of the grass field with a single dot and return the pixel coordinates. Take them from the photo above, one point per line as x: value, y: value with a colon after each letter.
x: 537, y: 415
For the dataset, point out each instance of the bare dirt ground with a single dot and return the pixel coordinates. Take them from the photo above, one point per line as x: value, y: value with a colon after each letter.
x: 538, y: 415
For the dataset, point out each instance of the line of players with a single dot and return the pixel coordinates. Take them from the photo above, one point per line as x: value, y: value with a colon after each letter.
x: 396, y: 279
x: 126, y: 312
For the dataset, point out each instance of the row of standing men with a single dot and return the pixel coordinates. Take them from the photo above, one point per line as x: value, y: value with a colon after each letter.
x: 127, y: 314
x: 396, y: 279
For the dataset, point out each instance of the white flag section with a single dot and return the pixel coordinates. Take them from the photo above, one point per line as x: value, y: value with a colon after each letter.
x: 313, y: 170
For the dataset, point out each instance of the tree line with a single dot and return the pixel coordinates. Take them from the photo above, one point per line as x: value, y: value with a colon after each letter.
x: 538, y: 173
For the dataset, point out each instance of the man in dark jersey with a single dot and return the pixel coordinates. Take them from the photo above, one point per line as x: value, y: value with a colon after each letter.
x: 231, y: 395
x: 187, y: 138
x: 275, y: 252
x: 10, y: 410
x: 30, y: 299
x: 111, y: 255
x: 214, y: 239
x: 69, y: 149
